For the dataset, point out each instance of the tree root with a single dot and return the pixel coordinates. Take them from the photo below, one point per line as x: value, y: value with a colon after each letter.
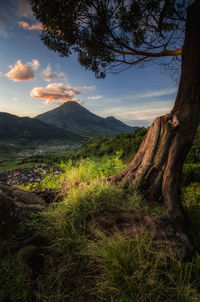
x: 166, y: 232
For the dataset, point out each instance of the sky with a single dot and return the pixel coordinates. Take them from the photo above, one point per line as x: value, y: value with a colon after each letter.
x: 34, y: 79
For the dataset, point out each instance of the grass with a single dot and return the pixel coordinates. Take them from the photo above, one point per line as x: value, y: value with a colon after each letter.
x: 71, y: 261
x: 191, y: 203
x: 81, y: 264
x: 85, y: 170
x: 129, y: 270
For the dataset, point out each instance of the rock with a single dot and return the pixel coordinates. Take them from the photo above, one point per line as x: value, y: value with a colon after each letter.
x: 15, y: 207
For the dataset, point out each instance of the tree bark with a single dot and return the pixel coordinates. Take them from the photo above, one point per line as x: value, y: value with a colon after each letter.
x: 156, y: 168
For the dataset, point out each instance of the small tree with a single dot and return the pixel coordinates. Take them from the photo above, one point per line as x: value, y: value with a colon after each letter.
x: 117, y: 34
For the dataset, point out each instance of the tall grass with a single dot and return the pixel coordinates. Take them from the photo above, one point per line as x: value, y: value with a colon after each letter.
x: 130, y: 270
x: 85, y: 170
x: 73, y: 261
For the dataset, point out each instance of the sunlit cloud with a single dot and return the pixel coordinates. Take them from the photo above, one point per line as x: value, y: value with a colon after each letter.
x: 48, y: 75
x: 15, y: 99
x: 27, y: 26
x: 48, y: 102
x: 96, y: 97
x: 58, y: 91
x: 23, y: 72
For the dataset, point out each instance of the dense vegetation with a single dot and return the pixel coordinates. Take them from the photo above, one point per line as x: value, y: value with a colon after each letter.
x: 126, y: 144
x: 69, y: 260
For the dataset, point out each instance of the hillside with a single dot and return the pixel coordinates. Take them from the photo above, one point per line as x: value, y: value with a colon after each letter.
x: 77, y: 119
x: 25, y: 129
x: 64, y: 254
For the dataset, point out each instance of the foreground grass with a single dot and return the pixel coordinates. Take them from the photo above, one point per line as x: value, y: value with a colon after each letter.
x: 85, y: 170
x: 71, y: 261
x: 74, y: 262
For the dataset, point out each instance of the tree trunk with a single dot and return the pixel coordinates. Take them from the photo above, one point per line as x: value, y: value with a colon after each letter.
x: 156, y: 168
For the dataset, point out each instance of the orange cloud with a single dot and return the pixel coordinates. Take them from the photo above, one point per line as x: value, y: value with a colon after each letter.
x: 57, y: 91
x: 26, y: 25
x: 21, y: 72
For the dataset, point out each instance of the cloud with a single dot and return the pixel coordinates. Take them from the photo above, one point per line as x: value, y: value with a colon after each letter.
x: 87, y: 88
x: 22, y: 72
x: 96, y: 97
x: 55, y: 91
x: 26, y: 25
x: 24, y: 9
x: 58, y: 91
x: 157, y: 93
x: 140, y: 111
x: 10, y: 10
x: 0, y: 73
x: 48, y: 75
x: 48, y: 102
x: 15, y: 99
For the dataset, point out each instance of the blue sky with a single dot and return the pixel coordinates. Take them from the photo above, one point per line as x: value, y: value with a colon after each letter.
x: 34, y: 79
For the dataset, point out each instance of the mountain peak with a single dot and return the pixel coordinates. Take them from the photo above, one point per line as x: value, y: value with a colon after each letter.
x: 111, y: 118
x: 77, y: 119
x: 70, y: 106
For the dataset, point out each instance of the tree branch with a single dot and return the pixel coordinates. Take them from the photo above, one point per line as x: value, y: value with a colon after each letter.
x: 163, y: 53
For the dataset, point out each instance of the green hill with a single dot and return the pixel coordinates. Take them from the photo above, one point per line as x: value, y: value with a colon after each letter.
x: 25, y: 129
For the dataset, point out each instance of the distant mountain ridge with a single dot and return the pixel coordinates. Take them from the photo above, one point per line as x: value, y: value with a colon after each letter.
x: 77, y: 119
x: 30, y: 129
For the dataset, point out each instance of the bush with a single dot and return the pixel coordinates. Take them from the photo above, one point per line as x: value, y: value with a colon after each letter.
x: 191, y: 173
x: 191, y: 202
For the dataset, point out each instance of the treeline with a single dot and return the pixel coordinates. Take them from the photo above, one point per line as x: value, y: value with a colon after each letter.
x: 126, y: 144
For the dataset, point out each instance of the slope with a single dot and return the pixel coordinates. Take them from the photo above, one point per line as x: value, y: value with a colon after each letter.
x: 77, y: 119
x: 28, y: 129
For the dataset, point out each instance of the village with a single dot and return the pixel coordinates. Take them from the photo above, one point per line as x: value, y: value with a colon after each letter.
x: 45, y: 149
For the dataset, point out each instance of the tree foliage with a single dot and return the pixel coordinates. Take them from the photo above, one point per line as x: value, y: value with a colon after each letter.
x: 111, y: 35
